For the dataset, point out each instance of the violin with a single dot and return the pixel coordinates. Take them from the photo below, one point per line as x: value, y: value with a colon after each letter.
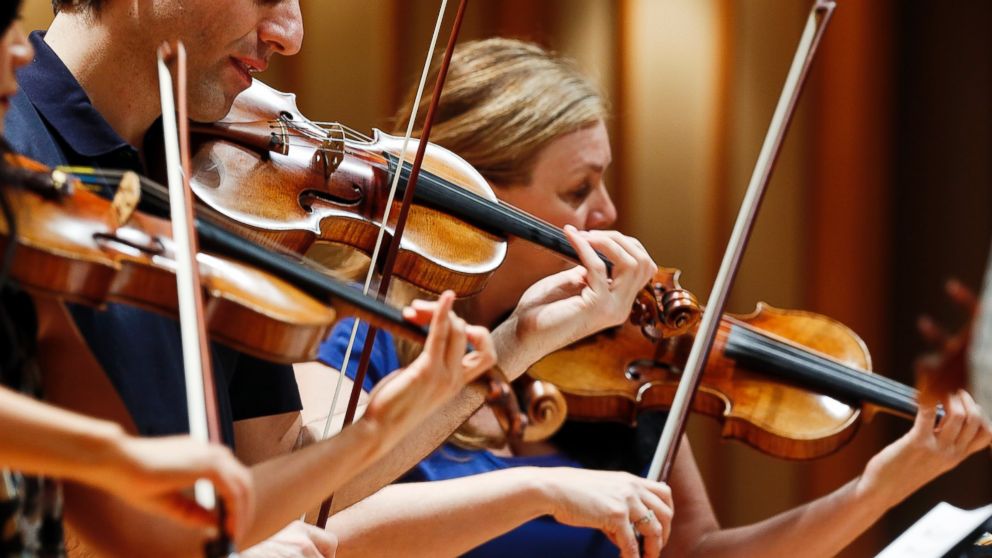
x: 75, y: 244
x: 81, y: 247
x: 791, y: 383
x: 296, y: 182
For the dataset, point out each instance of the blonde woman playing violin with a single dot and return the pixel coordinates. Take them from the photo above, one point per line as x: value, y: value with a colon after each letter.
x: 534, y: 127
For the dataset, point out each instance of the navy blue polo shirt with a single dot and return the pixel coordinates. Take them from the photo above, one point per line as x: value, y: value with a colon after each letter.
x: 52, y: 121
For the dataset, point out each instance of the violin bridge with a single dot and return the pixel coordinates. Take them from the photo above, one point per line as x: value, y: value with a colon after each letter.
x: 329, y: 155
x: 279, y: 139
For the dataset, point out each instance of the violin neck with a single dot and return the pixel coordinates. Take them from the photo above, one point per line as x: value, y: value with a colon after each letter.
x: 766, y: 354
x: 488, y: 215
x: 347, y: 300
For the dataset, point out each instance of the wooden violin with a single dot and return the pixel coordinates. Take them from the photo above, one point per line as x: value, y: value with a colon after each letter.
x: 791, y: 383
x: 296, y: 182
x: 74, y: 244
x: 81, y: 247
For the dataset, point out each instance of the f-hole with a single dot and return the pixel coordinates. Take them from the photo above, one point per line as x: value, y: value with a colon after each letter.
x: 309, y: 197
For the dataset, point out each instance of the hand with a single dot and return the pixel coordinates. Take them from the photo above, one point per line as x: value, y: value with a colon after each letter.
x: 618, y: 504
x: 406, y: 397
x: 929, y: 449
x: 567, y: 306
x: 296, y: 540
x: 944, y: 370
x: 154, y: 474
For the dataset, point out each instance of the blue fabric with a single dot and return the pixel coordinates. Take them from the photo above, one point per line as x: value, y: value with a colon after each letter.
x: 540, y: 538
x: 383, y: 360
x: 52, y: 121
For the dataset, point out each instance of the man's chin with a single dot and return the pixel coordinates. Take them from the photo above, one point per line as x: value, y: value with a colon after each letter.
x: 211, y: 108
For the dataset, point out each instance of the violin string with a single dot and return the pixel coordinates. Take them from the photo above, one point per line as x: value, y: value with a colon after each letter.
x: 848, y: 372
x: 108, y: 178
x: 348, y: 133
x: 442, y: 187
x: 506, y: 211
x: 159, y: 193
x: 852, y: 375
x: 328, y: 126
x: 382, y: 223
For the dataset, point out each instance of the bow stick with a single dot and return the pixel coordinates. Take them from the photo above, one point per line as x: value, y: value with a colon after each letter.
x: 393, y: 248
x: 664, y: 457
x: 201, y: 392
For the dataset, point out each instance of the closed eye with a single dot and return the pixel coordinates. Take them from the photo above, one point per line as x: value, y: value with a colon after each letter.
x: 576, y: 196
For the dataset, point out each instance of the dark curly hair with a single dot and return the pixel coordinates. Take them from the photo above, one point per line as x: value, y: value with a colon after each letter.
x: 58, y: 5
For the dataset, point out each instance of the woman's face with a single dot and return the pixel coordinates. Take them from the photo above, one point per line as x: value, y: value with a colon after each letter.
x: 15, y: 51
x: 566, y: 187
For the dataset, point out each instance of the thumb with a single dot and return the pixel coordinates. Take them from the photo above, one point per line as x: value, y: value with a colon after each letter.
x: 926, y: 416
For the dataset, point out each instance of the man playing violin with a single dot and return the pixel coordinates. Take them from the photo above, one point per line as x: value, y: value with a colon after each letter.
x: 478, y: 496
x: 90, y: 99
x: 38, y: 439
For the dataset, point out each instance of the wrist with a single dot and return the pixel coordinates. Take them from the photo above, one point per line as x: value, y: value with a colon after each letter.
x: 536, y: 489
x: 103, y: 453
x: 512, y: 351
x: 368, y: 438
x: 886, y: 480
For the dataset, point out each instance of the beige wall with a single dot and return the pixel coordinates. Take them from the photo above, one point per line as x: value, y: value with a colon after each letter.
x: 37, y: 14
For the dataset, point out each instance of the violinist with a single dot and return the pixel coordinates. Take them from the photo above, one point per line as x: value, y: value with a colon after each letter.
x: 534, y: 127
x: 39, y: 439
x: 89, y: 98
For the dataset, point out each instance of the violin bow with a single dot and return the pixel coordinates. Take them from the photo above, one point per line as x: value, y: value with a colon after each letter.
x: 201, y: 391
x: 665, y: 453
x: 386, y: 272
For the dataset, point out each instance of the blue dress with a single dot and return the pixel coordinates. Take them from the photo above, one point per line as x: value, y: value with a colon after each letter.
x: 540, y: 538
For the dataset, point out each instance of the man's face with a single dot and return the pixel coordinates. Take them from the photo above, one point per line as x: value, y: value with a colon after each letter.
x: 227, y: 41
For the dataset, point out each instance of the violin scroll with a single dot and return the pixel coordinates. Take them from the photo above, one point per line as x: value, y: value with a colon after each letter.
x: 663, y: 309
x: 545, y: 407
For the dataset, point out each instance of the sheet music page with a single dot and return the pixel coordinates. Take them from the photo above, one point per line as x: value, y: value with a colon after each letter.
x: 936, y: 532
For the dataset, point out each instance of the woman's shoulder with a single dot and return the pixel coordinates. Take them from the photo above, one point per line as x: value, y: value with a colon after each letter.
x: 346, y: 339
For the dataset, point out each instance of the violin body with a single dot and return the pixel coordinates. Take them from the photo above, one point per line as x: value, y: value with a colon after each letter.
x: 72, y: 244
x: 619, y: 372
x: 293, y: 182
x: 266, y: 166
x: 78, y: 247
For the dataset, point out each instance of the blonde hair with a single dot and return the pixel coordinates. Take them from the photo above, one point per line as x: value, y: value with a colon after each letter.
x: 503, y: 102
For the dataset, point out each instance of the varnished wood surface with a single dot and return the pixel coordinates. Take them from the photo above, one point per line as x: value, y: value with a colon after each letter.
x: 69, y: 248
x: 619, y: 372
x: 286, y: 199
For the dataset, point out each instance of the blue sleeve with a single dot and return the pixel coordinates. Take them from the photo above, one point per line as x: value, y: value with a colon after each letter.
x: 27, y: 134
x: 384, y: 358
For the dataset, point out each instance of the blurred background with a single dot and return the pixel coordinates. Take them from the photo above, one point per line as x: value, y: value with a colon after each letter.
x: 882, y: 192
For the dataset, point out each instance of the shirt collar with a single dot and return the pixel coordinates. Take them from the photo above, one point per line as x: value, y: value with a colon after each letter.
x: 63, y: 103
